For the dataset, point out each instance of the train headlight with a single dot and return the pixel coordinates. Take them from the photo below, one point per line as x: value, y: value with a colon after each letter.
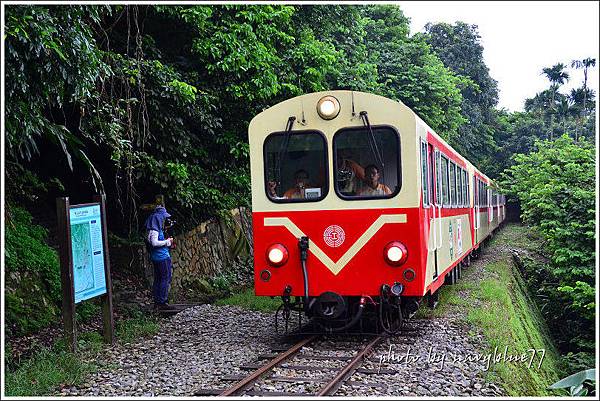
x: 328, y: 107
x: 277, y: 255
x: 395, y: 253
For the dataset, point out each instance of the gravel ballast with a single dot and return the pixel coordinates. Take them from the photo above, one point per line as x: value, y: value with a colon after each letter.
x: 199, y: 346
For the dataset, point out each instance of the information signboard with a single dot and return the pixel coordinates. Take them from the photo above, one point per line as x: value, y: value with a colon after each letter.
x: 84, y: 263
x: 87, y: 250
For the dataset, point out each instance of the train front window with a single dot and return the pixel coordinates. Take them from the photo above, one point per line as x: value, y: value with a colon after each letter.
x: 367, y: 163
x: 295, y: 166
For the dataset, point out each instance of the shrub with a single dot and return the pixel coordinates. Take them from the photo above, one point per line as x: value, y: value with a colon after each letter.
x: 556, y: 188
x: 32, y: 274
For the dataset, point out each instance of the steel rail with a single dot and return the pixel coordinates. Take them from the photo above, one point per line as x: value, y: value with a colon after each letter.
x: 251, y: 378
x: 339, y: 379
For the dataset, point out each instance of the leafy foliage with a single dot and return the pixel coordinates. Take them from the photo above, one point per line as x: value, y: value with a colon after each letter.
x: 556, y: 188
x: 579, y: 384
x: 32, y: 274
x: 459, y: 49
x: 410, y: 72
x: 151, y: 99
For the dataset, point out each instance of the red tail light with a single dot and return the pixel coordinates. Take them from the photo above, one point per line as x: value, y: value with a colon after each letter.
x: 277, y: 255
x: 395, y: 253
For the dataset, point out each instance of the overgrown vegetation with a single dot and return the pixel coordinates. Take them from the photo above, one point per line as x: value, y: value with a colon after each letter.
x: 135, y: 100
x: 498, y: 303
x: 556, y: 188
x: 32, y: 297
x: 52, y: 368
x: 247, y: 299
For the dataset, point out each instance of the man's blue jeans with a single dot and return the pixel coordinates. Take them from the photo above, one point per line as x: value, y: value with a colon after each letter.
x: 163, y: 271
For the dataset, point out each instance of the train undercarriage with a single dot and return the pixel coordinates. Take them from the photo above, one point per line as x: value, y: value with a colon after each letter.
x: 334, y: 313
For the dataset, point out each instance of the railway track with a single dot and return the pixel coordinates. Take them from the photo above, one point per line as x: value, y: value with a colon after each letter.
x: 323, y: 378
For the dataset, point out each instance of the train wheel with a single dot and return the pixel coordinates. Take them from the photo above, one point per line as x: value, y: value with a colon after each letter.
x: 448, y: 278
x: 432, y: 300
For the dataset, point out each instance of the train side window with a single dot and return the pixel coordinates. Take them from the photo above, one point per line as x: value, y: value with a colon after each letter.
x: 457, y: 200
x: 445, y: 189
x: 466, y: 188
x: 424, y: 172
x: 463, y: 196
x: 460, y: 178
x: 452, y: 184
x: 467, y: 198
x: 296, y: 166
x: 367, y: 162
x: 483, y: 194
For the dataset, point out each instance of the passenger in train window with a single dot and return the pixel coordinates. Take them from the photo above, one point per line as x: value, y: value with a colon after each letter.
x: 373, y: 187
x: 301, y: 182
x: 301, y: 189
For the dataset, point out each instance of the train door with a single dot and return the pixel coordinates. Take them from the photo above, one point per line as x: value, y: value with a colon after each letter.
x: 429, y: 211
x: 476, y: 217
x: 433, y: 156
x: 490, y: 210
x: 437, y: 203
x: 497, y: 199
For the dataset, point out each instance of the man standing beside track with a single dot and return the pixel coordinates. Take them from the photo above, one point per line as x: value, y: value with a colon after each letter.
x: 160, y: 256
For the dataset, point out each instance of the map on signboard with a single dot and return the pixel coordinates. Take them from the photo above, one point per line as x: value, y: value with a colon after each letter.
x: 83, y: 266
x: 87, y: 249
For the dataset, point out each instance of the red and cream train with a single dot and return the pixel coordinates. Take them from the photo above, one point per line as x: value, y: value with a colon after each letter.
x: 360, y: 209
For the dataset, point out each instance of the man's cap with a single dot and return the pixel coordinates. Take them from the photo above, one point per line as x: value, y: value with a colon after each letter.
x: 162, y: 210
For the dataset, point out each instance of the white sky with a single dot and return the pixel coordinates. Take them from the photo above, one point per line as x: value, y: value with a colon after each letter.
x: 521, y: 38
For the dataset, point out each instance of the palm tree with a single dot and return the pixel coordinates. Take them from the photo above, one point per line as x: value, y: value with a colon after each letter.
x: 564, y: 111
x: 578, y: 98
x: 585, y: 64
x: 557, y: 76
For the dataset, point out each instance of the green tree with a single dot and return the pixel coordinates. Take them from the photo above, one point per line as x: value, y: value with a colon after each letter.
x: 459, y: 48
x: 557, y: 76
x: 410, y: 72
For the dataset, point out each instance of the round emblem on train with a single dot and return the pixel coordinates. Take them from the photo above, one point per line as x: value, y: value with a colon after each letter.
x: 334, y: 236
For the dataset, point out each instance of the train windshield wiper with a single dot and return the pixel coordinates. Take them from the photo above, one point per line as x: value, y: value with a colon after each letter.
x: 373, y: 144
x: 283, y: 149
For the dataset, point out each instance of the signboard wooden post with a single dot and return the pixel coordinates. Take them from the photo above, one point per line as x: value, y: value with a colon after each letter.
x: 85, y: 263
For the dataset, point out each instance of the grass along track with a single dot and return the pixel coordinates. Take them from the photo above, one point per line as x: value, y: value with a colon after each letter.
x: 493, y: 299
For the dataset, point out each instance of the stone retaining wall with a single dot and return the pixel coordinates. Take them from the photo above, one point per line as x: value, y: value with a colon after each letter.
x: 215, y: 248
